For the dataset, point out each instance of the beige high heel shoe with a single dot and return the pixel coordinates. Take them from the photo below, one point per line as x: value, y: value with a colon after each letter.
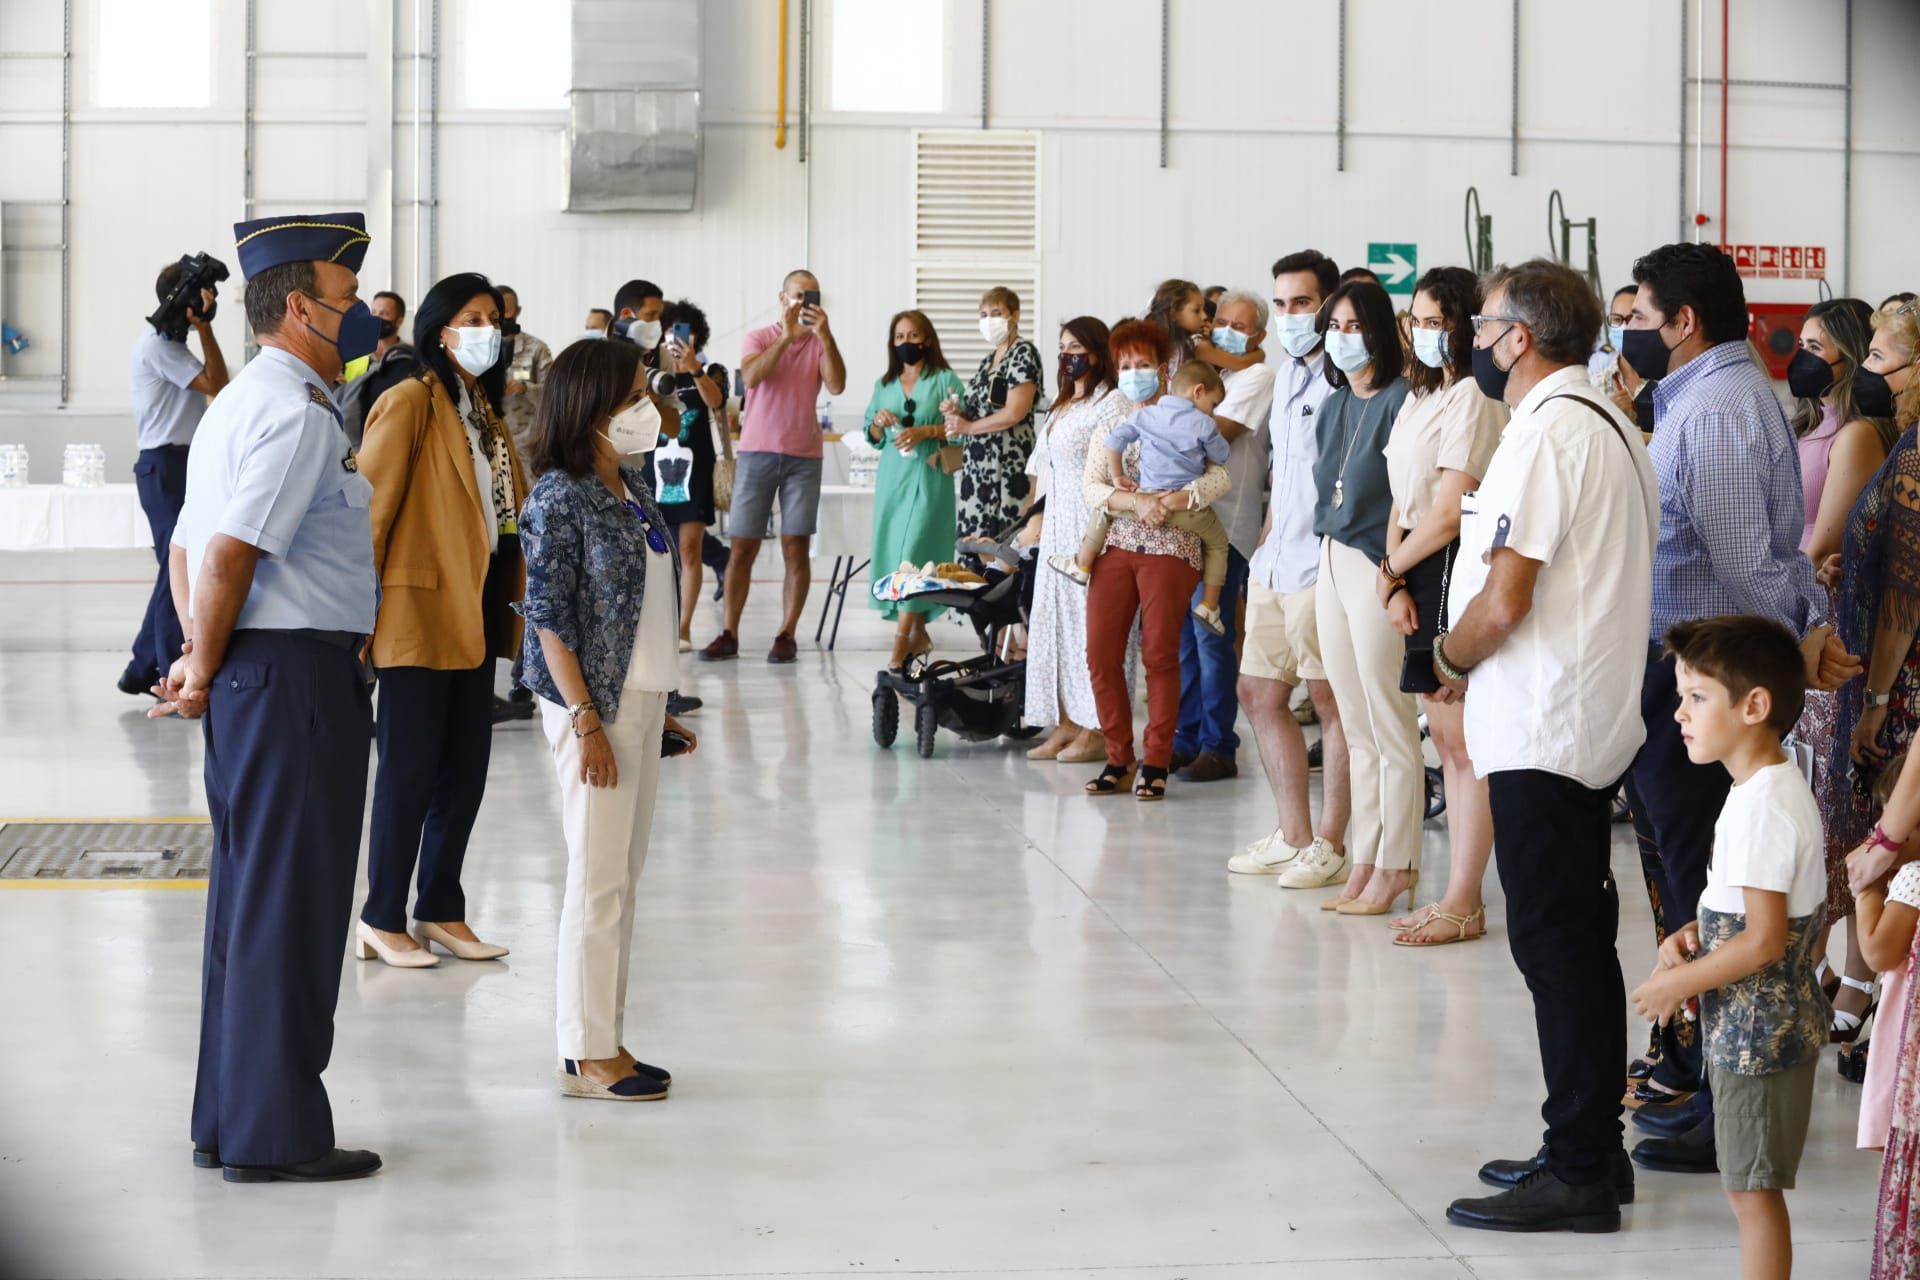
x: 460, y: 947
x: 367, y: 945
x: 1355, y: 907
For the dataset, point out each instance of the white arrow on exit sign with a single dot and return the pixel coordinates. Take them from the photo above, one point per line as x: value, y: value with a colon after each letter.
x: 1392, y: 269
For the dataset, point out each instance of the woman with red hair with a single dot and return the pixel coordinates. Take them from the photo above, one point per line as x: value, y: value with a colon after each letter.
x: 1149, y: 571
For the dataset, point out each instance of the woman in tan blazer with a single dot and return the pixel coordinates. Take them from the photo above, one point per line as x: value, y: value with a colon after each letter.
x: 447, y: 491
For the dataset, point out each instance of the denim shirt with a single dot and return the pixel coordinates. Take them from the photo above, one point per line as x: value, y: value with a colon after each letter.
x: 586, y: 572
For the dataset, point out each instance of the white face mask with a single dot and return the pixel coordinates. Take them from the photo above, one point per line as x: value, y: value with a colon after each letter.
x: 635, y: 429
x: 1296, y: 333
x: 645, y: 334
x: 1348, y: 351
x: 1430, y: 347
x: 994, y: 329
x: 479, y: 348
x: 594, y: 335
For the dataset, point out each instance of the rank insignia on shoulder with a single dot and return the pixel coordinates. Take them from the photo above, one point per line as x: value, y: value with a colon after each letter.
x: 319, y: 397
x: 351, y: 462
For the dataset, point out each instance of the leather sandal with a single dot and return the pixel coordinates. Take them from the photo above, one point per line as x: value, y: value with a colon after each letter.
x: 1461, y: 923
x: 1112, y: 780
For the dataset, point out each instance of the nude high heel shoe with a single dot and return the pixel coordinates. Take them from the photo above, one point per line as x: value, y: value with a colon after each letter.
x: 1355, y: 907
x: 460, y: 947
x: 367, y: 945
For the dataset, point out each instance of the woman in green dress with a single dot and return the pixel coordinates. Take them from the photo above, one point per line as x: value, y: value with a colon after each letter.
x: 913, y: 504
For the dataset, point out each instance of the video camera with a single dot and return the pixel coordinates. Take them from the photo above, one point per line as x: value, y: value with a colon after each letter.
x: 200, y: 271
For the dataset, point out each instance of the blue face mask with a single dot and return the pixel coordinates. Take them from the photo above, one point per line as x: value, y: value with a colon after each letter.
x: 1139, y: 384
x: 1616, y: 334
x: 1348, y: 351
x: 1430, y: 347
x: 359, y: 330
x: 1231, y: 341
x: 1296, y: 334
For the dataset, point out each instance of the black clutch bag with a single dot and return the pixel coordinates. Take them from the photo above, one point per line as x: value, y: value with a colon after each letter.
x: 1427, y: 584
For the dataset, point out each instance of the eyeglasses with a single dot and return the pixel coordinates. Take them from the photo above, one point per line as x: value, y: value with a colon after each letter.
x: 1481, y: 322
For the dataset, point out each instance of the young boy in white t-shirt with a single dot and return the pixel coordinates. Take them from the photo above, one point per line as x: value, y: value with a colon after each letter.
x: 1749, y: 957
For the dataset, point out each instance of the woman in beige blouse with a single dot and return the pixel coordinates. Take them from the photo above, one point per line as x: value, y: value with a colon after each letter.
x: 1439, y: 450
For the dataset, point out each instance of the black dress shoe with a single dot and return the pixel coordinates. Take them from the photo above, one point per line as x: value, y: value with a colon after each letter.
x: 505, y: 709
x: 335, y: 1166
x: 206, y: 1157
x: 1509, y: 1173
x: 137, y: 683
x: 1313, y: 756
x: 520, y: 693
x: 1671, y: 1121
x: 1542, y: 1202
x: 680, y: 704
x: 1689, y: 1152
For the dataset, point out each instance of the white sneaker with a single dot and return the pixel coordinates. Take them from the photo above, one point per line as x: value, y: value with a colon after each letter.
x: 1267, y: 856
x: 1319, y: 865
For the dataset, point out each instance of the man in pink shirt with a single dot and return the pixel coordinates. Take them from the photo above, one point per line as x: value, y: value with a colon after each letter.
x: 782, y: 367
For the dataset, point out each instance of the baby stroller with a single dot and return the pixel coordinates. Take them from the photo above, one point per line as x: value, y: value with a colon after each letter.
x: 978, y: 698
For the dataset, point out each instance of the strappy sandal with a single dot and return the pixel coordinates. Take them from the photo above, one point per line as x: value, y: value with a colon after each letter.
x: 1152, y: 784
x: 1460, y: 923
x: 1846, y: 1026
x: 1112, y: 780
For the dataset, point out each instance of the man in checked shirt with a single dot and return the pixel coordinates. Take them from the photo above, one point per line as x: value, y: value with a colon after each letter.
x: 1731, y: 516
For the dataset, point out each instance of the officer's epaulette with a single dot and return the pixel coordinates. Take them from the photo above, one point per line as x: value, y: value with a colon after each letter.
x: 319, y: 397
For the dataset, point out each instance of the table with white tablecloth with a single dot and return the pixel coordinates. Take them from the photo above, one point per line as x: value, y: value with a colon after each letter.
x: 53, y: 517
x: 845, y: 532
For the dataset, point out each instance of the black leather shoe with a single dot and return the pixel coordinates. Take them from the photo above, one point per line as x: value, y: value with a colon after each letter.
x: 206, y: 1157
x: 1542, y: 1202
x: 505, y: 709
x: 335, y: 1166
x: 1689, y: 1152
x: 520, y: 693
x: 1313, y: 756
x: 1670, y: 1121
x: 135, y: 683
x: 1510, y: 1173
x: 680, y: 704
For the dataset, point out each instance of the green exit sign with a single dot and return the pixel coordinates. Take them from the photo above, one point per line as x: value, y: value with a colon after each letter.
x: 1397, y: 265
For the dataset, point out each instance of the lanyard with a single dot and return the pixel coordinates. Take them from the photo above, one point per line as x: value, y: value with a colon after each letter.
x: 656, y: 540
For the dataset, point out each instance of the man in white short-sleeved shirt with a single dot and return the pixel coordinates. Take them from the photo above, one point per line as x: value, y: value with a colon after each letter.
x: 1550, y: 601
x: 1282, y: 646
x: 168, y: 387
x: 1204, y: 741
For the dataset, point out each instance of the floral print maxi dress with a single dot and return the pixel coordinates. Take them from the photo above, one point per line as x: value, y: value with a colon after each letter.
x: 1896, y: 1238
x: 993, y: 483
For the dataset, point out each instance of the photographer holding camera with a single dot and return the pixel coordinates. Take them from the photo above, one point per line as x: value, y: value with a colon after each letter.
x: 169, y: 390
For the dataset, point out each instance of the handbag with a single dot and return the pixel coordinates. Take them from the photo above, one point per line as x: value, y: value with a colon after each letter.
x: 1427, y: 583
x: 948, y: 459
x: 723, y: 468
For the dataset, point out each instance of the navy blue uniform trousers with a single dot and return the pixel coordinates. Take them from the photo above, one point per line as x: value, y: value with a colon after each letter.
x: 288, y: 728
x: 1210, y: 673
x: 436, y: 738
x: 1675, y: 803
x: 160, y: 475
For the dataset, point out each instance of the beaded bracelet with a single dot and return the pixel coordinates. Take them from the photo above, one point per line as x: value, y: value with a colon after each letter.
x: 1447, y: 669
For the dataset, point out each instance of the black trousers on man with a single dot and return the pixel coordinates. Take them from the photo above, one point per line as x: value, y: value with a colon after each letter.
x: 160, y: 476
x: 436, y: 737
x: 288, y: 725
x: 1675, y: 803
x: 1551, y: 842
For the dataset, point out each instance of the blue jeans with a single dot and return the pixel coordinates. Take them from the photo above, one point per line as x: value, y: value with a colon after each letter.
x: 1210, y: 674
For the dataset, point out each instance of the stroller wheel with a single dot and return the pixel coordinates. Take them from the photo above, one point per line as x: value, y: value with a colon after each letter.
x: 926, y: 725
x: 886, y: 717
x: 1436, y: 794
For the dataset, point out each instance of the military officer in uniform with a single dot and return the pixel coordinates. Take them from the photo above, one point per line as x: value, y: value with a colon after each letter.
x: 273, y: 568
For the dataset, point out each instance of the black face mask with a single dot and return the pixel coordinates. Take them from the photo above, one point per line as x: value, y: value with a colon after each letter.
x: 1808, y: 376
x: 1488, y: 374
x: 1873, y: 394
x: 389, y: 329
x: 508, y: 327
x: 1076, y: 365
x: 1647, y: 352
x: 909, y: 352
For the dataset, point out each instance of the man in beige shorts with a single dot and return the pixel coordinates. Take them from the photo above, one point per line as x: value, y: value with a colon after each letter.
x: 1281, y: 648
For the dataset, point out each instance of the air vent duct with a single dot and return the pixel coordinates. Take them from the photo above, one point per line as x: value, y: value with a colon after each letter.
x: 633, y: 132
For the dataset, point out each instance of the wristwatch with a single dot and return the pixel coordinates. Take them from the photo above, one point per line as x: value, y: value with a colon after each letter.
x: 1873, y: 699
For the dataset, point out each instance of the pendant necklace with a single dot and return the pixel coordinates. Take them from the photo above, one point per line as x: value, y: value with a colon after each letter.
x: 1340, y: 480
x: 656, y: 540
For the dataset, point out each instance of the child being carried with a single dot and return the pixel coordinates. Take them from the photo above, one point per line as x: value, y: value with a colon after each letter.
x: 1178, y: 437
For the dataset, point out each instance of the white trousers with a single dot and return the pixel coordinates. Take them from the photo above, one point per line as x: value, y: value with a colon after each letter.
x: 1362, y: 655
x: 606, y: 829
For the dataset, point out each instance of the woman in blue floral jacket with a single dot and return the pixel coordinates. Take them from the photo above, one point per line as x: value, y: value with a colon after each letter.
x: 602, y: 609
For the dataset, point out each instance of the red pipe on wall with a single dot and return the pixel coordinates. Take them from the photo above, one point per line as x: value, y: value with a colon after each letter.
x: 1724, y: 241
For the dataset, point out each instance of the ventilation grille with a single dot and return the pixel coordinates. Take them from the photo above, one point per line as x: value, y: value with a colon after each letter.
x: 976, y: 224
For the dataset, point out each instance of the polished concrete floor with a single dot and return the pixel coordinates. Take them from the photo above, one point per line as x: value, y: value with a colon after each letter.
x: 925, y: 1016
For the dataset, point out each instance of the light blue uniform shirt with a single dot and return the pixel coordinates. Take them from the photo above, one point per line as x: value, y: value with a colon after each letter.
x: 164, y: 411
x: 1176, y: 442
x: 272, y: 468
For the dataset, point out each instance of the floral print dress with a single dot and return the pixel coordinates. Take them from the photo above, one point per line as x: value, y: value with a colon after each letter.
x: 1896, y: 1237
x: 993, y: 483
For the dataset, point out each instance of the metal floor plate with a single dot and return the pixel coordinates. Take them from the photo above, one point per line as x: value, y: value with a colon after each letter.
x: 136, y: 849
